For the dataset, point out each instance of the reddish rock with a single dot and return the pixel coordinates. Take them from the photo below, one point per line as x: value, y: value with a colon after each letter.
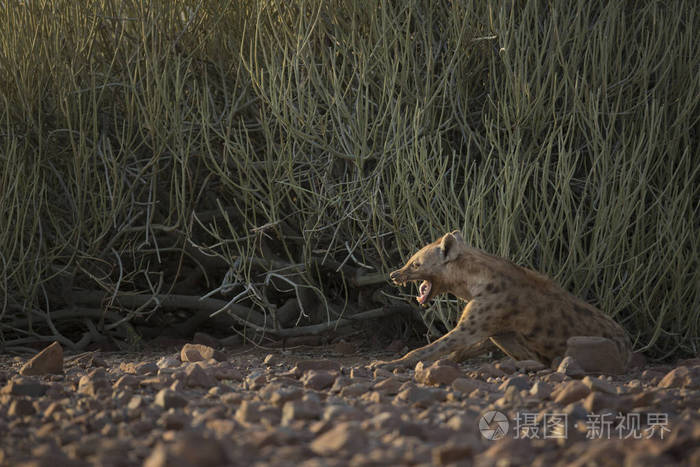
x: 48, y: 361
x: 596, y: 354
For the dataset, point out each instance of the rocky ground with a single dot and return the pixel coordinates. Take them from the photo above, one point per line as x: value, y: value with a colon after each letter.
x: 194, y: 405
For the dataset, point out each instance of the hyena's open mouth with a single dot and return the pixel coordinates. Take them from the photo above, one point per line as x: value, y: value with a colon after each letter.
x: 424, y: 291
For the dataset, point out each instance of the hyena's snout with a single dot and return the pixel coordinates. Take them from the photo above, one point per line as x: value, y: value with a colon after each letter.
x: 397, y: 277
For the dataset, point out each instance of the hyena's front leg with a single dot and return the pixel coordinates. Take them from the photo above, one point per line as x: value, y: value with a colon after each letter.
x: 471, y: 332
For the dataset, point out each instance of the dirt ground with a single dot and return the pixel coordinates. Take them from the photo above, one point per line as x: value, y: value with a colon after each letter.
x: 323, y: 406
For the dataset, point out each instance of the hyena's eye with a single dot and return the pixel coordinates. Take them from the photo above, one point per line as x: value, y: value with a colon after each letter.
x: 415, y: 265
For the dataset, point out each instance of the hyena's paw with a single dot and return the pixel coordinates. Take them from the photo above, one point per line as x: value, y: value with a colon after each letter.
x: 389, y: 366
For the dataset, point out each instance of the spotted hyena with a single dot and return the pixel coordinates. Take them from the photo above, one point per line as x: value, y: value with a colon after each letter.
x: 522, y: 312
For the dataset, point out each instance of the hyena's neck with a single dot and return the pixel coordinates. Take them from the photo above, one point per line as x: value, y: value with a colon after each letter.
x: 469, y: 279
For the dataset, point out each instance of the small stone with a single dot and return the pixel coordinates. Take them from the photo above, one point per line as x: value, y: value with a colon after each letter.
x: 599, y: 385
x: 465, y: 385
x: 389, y: 386
x: 199, y: 352
x: 597, y: 401
x: 360, y: 372
x: 306, y: 365
x: 489, y: 370
x: 529, y: 365
x: 569, y: 392
x: 300, y: 410
x: 168, y: 399
x: 570, y: 367
x: 143, y: 368
x: 596, y: 354
x: 188, y: 449
x: 355, y: 390
x: 519, y: 382
x: 21, y: 407
x: 169, y: 361
x: 94, y: 384
x: 318, y: 379
x: 195, y: 376
x: 248, y: 412
x: 451, y: 453
x: 278, y: 394
x: 436, y: 374
x: 420, y: 395
x: 272, y: 359
x: 506, y: 365
x: 344, y: 438
x: 126, y: 381
x: 255, y: 380
x: 541, y: 390
x: 136, y: 402
x: 681, y: 377
x: 48, y: 361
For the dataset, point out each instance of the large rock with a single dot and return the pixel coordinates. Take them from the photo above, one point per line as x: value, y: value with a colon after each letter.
x: 596, y: 354
x: 48, y: 361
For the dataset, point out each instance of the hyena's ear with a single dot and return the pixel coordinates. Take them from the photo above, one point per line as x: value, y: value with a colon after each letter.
x: 449, y: 245
x: 458, y: 235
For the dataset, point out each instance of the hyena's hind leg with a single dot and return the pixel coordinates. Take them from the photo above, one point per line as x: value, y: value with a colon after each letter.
x: 515, y: 346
